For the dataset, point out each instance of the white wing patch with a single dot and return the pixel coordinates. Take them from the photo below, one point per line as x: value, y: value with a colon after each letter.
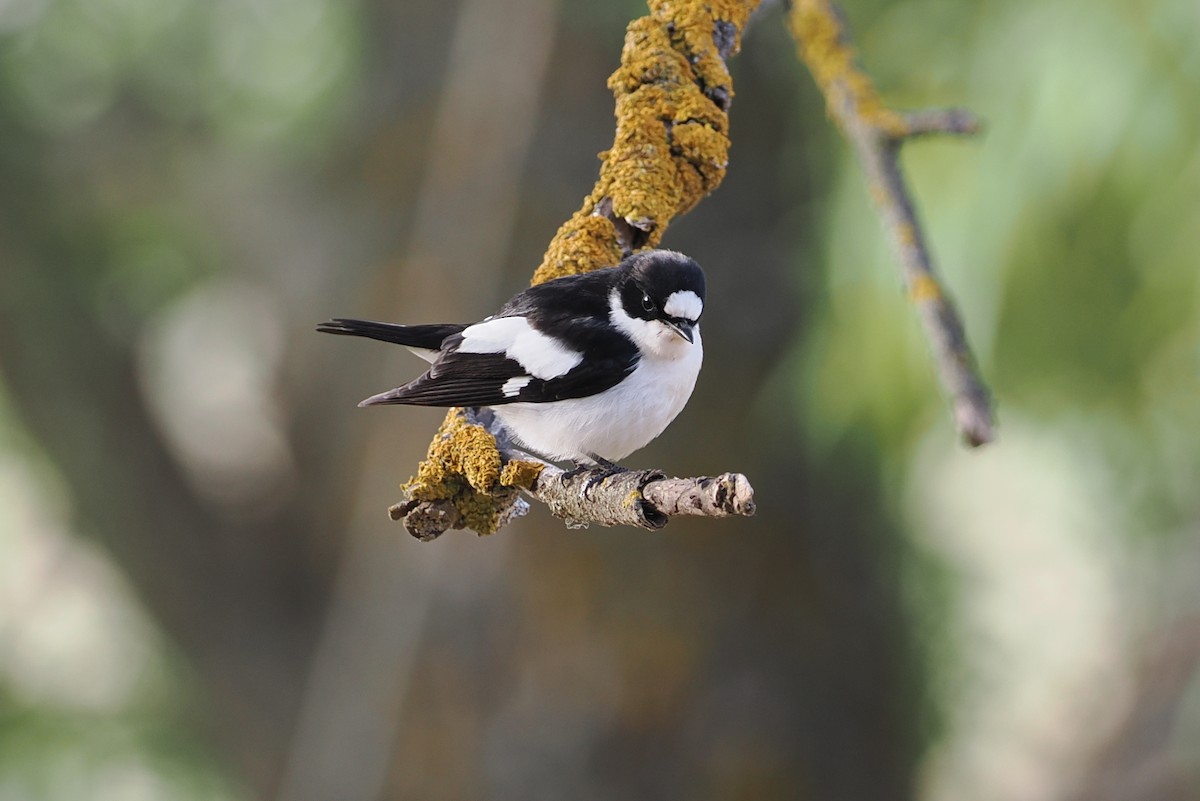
x: 492, y: 336
x: 685, y: 303
x: 542, y: 356
x: 513, y: 386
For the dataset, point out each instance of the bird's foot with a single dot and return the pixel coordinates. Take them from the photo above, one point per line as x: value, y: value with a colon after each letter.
x: 605, y: 464
x: 598, y: 474
x: 576, y: 471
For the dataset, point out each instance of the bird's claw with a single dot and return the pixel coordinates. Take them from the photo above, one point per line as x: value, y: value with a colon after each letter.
x: 603, y: 470
x: 575, y: 472
x: 596, y: 473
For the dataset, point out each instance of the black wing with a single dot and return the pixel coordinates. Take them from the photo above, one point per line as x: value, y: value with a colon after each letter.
x: 493, y: 379
x: 573, y: 310
x: 457, y: 379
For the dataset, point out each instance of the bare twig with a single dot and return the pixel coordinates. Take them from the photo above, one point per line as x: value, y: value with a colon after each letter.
x: 643, y: 498
x: 876, y: 133
x: 939, y: 121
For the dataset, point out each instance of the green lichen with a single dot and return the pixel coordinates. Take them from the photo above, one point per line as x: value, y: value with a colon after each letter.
x: 671, y: 149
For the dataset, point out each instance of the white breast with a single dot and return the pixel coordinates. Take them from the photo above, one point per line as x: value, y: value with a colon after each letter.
x: 616, y: 422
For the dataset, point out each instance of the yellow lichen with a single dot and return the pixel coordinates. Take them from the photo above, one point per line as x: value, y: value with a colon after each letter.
x: 518, y: 473
x: 906, y: 235
x: 671, y: 145
x: 462, y: 449
x: 463, y: 467
x: 834, y: 65
x: 924, y: 287
x: 671, y: 149
x: 583, y: 243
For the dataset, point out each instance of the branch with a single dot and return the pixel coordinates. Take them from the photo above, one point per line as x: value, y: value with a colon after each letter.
x: 876, y: 133
x: 673, y: 93
x: 643, y: 498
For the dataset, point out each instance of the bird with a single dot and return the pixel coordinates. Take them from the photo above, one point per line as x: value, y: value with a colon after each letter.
x: 584, y: 368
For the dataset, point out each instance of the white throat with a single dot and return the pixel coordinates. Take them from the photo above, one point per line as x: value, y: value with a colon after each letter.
x: 654, y: 338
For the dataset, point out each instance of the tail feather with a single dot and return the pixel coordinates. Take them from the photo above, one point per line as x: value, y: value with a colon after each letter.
x: 421, y: 337
x: 392, y: 396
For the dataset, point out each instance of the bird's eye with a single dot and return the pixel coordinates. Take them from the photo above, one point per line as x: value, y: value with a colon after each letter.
x: 647, y: 304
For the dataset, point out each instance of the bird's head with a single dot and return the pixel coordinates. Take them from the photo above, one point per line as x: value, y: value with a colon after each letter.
x: 659, y: 300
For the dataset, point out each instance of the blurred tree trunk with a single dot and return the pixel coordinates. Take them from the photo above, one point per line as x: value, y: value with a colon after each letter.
x: 240, y: 598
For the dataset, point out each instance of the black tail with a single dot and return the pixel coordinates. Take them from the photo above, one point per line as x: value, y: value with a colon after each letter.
x: 426, y: 337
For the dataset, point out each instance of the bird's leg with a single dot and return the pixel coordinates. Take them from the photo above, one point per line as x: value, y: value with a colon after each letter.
x: 604, y: 469
x: 581, y: 467
x: 610, y: 468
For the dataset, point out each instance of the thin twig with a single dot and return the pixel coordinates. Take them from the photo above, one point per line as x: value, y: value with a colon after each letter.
x: 957, y: 121
x: 876, y: 134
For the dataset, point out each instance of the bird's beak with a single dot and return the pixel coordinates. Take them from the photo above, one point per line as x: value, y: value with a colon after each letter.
x: 683, y: 328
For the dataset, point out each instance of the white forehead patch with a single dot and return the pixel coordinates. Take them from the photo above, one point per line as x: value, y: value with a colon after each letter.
x: 685, y: 303
x: 539, y: 355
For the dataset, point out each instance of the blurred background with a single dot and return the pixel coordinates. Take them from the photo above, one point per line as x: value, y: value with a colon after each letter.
x: 201, y: 597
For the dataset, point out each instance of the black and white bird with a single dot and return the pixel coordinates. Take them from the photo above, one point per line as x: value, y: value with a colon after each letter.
x: 587, y: 368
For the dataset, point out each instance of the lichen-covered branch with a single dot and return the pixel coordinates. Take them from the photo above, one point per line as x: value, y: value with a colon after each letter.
x: 876, y: 132
x: 644, y: 498
x: 673, y: 93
